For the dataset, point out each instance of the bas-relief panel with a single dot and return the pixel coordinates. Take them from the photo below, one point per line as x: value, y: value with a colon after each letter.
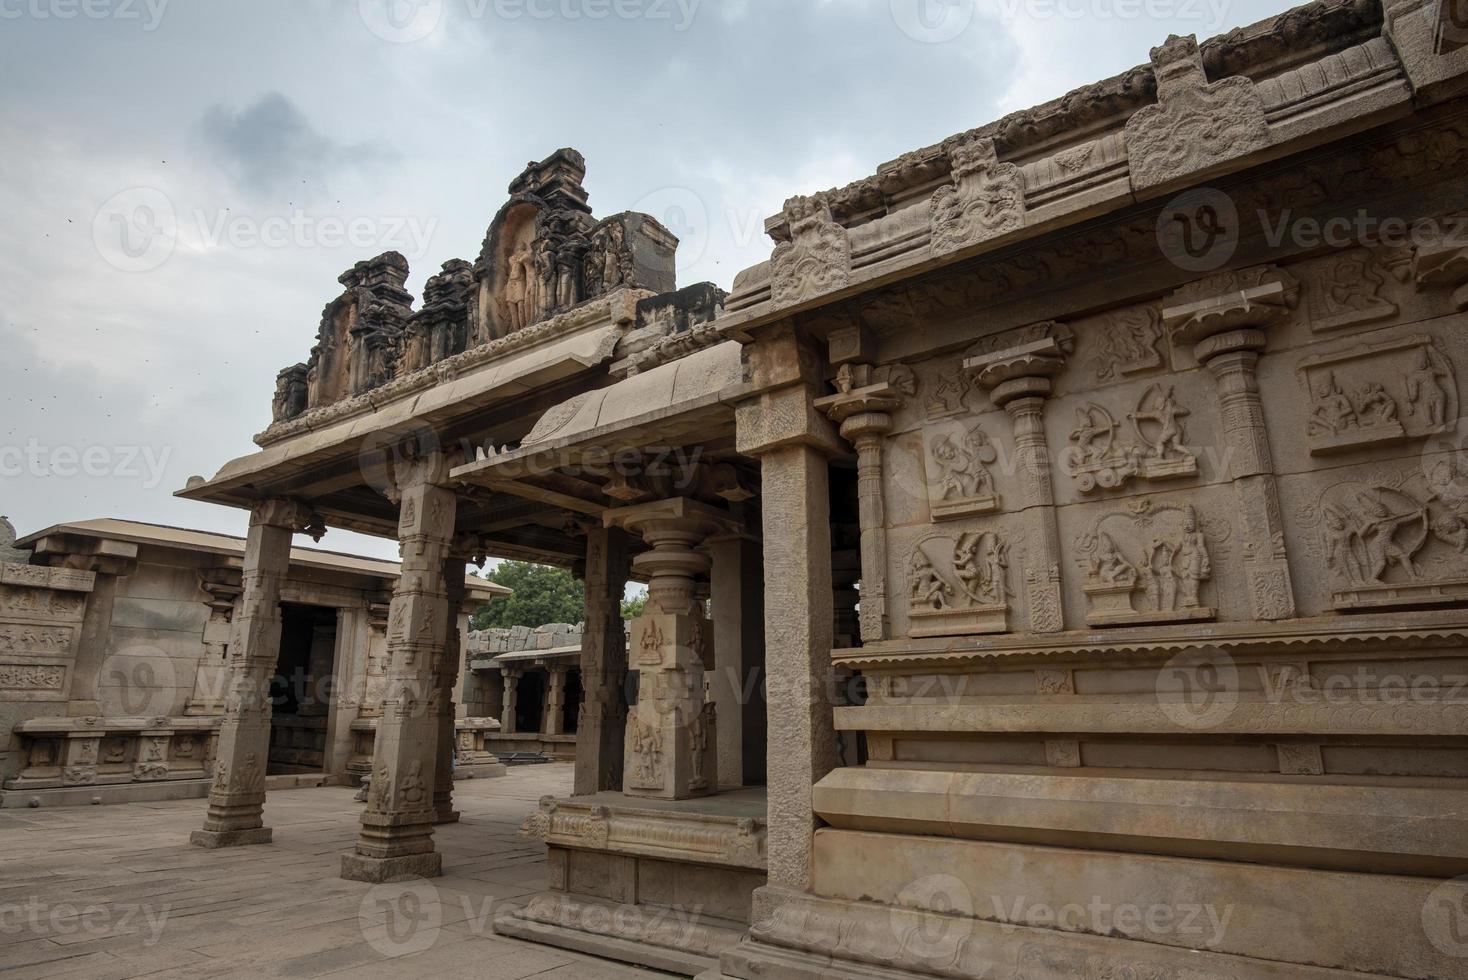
x: 959, y: 578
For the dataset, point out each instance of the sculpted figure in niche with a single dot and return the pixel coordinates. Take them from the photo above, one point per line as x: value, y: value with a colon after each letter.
x: 1108, y: 565
x: 928, y: 589
x: 1425, y: 391
x: 519, y: 286
x: 962, y: 473
x: 1160, y: 406
x: 1194, y: 565
x: 982, y: 563
x: 1333, y: 412
x: 1377, y: 407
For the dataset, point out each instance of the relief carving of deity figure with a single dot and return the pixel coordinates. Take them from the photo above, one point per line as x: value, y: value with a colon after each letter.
x: 519, y: 287
x: 1425, y: 391
x: 1377, y: 407
x: 1160, y: 406
x: 961, y: 469
x: 928, y: 590
x: 982, y: 564
x: 1333, y: 412
x: 1108, y: 565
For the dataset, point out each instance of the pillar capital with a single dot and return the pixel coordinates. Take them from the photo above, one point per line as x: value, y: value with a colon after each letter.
x: 289, y: 515
x: 1230, y: 311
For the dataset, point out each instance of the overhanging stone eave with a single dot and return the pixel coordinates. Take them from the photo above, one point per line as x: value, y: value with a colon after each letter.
x: 237, y: 481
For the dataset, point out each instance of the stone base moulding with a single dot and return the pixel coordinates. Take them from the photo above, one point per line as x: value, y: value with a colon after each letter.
x: 376, y: 871
x: 215, y: 839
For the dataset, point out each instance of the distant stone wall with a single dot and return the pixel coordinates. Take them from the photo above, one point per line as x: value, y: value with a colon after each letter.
x: 517, y: 639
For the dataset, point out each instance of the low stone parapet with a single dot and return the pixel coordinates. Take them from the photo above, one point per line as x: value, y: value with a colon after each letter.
x: 80, y: 754
x: 473, y: 758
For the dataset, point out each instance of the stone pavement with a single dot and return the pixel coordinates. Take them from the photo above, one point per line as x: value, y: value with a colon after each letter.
x: 115, y: 891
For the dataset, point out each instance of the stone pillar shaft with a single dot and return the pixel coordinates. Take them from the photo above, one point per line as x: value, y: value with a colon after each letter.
x: 237, y: 795
x: 396, y: 839
x: 602, y: 725
x: 798, y: 637
x: 552, y: 717
x: 511, y: 700
x: 737, y: 601
x: 448, y: 679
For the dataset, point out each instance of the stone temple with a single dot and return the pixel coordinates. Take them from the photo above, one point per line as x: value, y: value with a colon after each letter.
x: 1057, y: 550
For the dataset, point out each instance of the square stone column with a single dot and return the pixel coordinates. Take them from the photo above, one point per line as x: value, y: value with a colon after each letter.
x: 511, y: 700
x: 448, y: 679
x: 601, y: 727
x: 737, y: 601
x: 552, y: 715
x: 672, y: 740
x: 237, y: 795
x: 396, y: 839
x: 793, y: 442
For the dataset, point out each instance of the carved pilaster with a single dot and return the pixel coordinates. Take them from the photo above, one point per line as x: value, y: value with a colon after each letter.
x: 223, y: 586
x: 237, y: 795
x: 1225, y: 317
x: 863, y: 411
x: 1018, y: 380
x: 397, y: 828
x: 442, y: 704
x: 553, y: 715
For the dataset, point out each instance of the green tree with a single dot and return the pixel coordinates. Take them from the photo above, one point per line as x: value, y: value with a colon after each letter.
x: 541, y: 595
x: 633, y: 607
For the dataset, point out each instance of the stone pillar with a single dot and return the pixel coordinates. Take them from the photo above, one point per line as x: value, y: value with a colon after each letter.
x: 792, y: 441
x: 452, y: 659
x: 1225, y: 318
x: 511, y: 677
x: 237, y: 795
x: 396, y: 839
x: 863, y: 410
x: 1018, y: 380
x: 602, y: 726
x: 553, y: 714
x: 737, y: 598
x: 672, y: 741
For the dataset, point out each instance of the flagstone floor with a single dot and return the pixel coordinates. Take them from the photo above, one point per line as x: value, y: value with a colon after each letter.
x: 110, y: 892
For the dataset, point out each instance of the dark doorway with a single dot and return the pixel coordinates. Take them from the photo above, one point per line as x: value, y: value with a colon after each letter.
x: 301, y: 690
x: 571, y: 712
x: 530, y: 702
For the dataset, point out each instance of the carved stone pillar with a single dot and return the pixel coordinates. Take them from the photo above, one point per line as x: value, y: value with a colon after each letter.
x: 553, y: 716
x: 118, y: 562
x: 397, y: 828
x: 1225, y: 317
x: 448, y: 678
x: 601, y: 727
x: 1019, y: 381
x: 211, y: 679
x: 511, y: 677
x: 737, y: 606
x: 237, y: 795
x: 672, y: 743
x: 793, y: 441
x: 863, y: 411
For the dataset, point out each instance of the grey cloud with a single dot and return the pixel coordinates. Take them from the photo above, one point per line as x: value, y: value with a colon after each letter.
x: 270, y: 147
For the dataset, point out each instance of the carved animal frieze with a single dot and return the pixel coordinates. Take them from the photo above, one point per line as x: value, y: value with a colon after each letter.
x: 1394, y: 540
x: 1097, y: 459
x: 46, y: 641
x: 1377, y: 394
x: 1147, y: 564
x: 31, y: 677
x: 958, y: 586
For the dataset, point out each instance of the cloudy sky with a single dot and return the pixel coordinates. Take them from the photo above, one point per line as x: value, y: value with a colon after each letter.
x: 181, y: 181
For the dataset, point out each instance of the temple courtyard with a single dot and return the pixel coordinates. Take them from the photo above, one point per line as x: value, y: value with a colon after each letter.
x: 116, y: 891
